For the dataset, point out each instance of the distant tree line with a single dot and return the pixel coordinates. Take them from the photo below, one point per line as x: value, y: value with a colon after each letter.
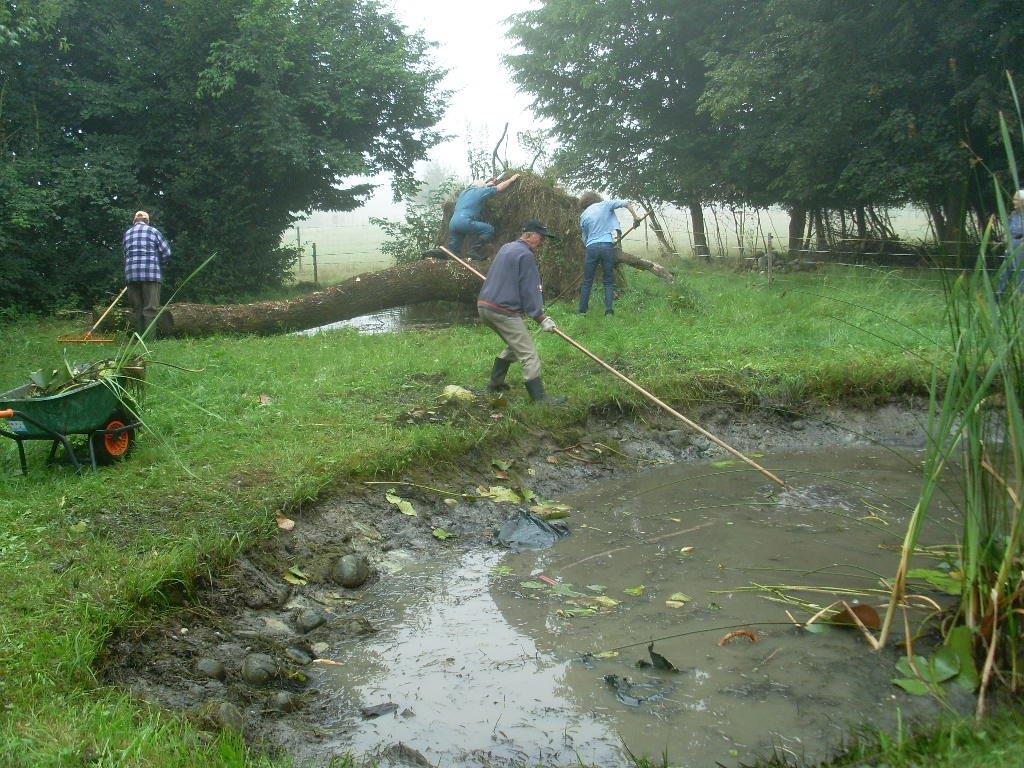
x: 828, y: 108
x: 224, y: 118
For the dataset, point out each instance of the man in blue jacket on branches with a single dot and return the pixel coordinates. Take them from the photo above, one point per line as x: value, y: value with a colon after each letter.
x: 466, y: 216
x: 511, y: 293
x: 598, y: 222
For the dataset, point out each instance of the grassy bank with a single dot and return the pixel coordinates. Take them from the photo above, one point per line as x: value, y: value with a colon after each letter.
x: 271, y: 423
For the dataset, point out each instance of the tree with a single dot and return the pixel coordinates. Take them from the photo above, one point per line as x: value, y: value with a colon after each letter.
x: 226, y: 119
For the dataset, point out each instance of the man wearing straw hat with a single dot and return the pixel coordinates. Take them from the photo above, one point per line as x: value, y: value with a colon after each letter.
x: 145, y: 253
x: 511, y: 293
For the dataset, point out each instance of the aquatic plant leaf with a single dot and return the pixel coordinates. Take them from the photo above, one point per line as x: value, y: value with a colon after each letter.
x: 442, y: 535
x: 636, y: 591
x: 660, y: 662
x: 912, y: 685
x: 904, y: 667
x: 404, y: 505
x: 961, y: 642
x: 533, y: 585
x: 597, y: 588
x: 499, y: 493
x: 945, y: 582
x: 944, y: 665
x: 867, y: 615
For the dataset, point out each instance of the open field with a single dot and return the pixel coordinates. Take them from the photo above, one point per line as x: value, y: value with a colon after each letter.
x: 271, y: 423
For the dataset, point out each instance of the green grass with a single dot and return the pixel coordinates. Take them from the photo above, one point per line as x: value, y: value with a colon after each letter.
x: 81, y: 556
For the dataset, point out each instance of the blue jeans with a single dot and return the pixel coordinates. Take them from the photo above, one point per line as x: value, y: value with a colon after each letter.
x: 1012, y: 275
x: 603, y: 254
x: 461, y: 226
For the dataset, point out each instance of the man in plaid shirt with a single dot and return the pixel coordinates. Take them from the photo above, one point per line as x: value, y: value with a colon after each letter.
x: 145, y: 252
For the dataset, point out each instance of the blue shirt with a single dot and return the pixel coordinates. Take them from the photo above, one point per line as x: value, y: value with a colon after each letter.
x: 145, y: 251
x: 599, y: 222
x: 1017, y: 227
x: 471, y: 202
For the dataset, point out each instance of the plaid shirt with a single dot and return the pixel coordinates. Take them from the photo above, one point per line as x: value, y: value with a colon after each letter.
x: 145, y: 250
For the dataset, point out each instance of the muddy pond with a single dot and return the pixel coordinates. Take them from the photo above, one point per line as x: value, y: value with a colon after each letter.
x: 460, y: 652
x: 531, y: 658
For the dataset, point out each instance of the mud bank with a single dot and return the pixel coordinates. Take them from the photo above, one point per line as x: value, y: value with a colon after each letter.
x: 253, y: 650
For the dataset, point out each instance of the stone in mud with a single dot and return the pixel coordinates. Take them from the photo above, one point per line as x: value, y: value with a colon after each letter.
x: 309, y: 619
x: 283, y: 701
x: 229, y: 717
x: 359, y: 626
x: 319, y: 649
x: 351, y: 571
x: 211, y: 668
x: 298, y: 655
x: 258, y: 669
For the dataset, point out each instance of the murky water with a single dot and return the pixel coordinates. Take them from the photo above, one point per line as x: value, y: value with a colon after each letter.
x: 483, y: 657
x: 432, y: 314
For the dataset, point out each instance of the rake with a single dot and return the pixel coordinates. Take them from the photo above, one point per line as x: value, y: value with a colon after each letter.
x: 87, y: 337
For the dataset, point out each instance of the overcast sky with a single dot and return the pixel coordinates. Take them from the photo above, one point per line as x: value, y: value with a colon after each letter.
x: 470, y: 38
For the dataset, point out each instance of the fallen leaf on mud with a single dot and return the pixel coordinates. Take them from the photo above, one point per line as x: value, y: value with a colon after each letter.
x: 284, y: 523
x: 379, y: 709
x: 675, y: 520
x: 450, y: 502
x: 552, y: 459
x: 867, y: 615
x: 503, y: 570
x: 573, y: 613
x: 745, y: 633
x: 533, y: 585
x: 499, y: 493
x: 597, y: 588
x: 328, y: 662
x: 685, y: 550
x: 674, y: 604
x: 527, y: 494
x: 442, y: 535
x: 679, y: 597
x: 549, y: 510
x: 531, y: 472
x: 636, y: 591
x: 265, y: 400
x: 404, y: 505
x: 294, y: 575
x: 500, y: 474
x: 501, y: 464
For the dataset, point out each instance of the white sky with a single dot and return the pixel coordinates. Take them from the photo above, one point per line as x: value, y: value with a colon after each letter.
x: 470, y: 37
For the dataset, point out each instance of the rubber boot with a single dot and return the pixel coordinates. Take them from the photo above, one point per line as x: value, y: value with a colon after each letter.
x: 536, y: 389
x: 498, y: 371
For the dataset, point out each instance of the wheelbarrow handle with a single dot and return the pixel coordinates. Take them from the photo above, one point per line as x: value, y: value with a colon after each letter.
x: 8, y: 414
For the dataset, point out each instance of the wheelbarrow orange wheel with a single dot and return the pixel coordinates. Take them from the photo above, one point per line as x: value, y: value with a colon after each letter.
x: 110, y: 447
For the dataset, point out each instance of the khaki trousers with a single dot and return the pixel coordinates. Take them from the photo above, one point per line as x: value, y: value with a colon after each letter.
x: 519, y: 343
x: 144, y: 296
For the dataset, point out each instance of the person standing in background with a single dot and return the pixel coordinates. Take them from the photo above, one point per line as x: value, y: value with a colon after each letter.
x: 599, y: 223
x: 146, y: 252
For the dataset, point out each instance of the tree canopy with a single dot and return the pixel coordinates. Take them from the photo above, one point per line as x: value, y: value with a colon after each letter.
x: 225, y: 119
x: 807, y: 104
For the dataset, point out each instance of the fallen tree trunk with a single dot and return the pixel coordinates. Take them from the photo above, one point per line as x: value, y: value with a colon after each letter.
x: 401, y: 286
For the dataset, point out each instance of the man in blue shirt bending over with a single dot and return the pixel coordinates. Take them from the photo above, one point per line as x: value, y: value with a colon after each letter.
x: 598, y: 222
x: 466, y: 217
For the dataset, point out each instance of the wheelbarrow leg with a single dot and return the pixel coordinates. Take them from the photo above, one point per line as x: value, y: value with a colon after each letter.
x: 53, y: 452
x: 21, y: 457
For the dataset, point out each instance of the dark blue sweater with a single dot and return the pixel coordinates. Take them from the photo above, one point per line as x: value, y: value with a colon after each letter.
x: 513, y: 284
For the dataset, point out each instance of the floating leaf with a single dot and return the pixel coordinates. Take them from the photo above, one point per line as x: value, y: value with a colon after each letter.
x: 442, y: 535
x: 597, y: 588
x: 674, y: 604
x: 604, y: 601
x: 636, y: 591
x: 945, y: 582
x: 679, y: 597
x: 606, y: 655
x: 913, y: 686
x: 565, y: 590
x: 867, y: 615
x: 499, y: 493
x: 572, y: 613
x: 944, y: 665
x: 685, y: 550
x: 533, y: 585
x: 961, y: 642
x: 294, y: 575
x: 284, y: 523
x: 404, y: 505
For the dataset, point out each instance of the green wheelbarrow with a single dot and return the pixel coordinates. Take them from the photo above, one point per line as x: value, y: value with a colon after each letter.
x: 92, y: 410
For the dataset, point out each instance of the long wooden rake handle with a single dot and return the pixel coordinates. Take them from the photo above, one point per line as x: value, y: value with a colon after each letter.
x: 103, y: 317
x: 658, y: 402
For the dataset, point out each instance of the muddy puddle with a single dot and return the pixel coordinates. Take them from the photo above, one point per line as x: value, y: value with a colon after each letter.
x: 492, y: 658
x: 435, y: 314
